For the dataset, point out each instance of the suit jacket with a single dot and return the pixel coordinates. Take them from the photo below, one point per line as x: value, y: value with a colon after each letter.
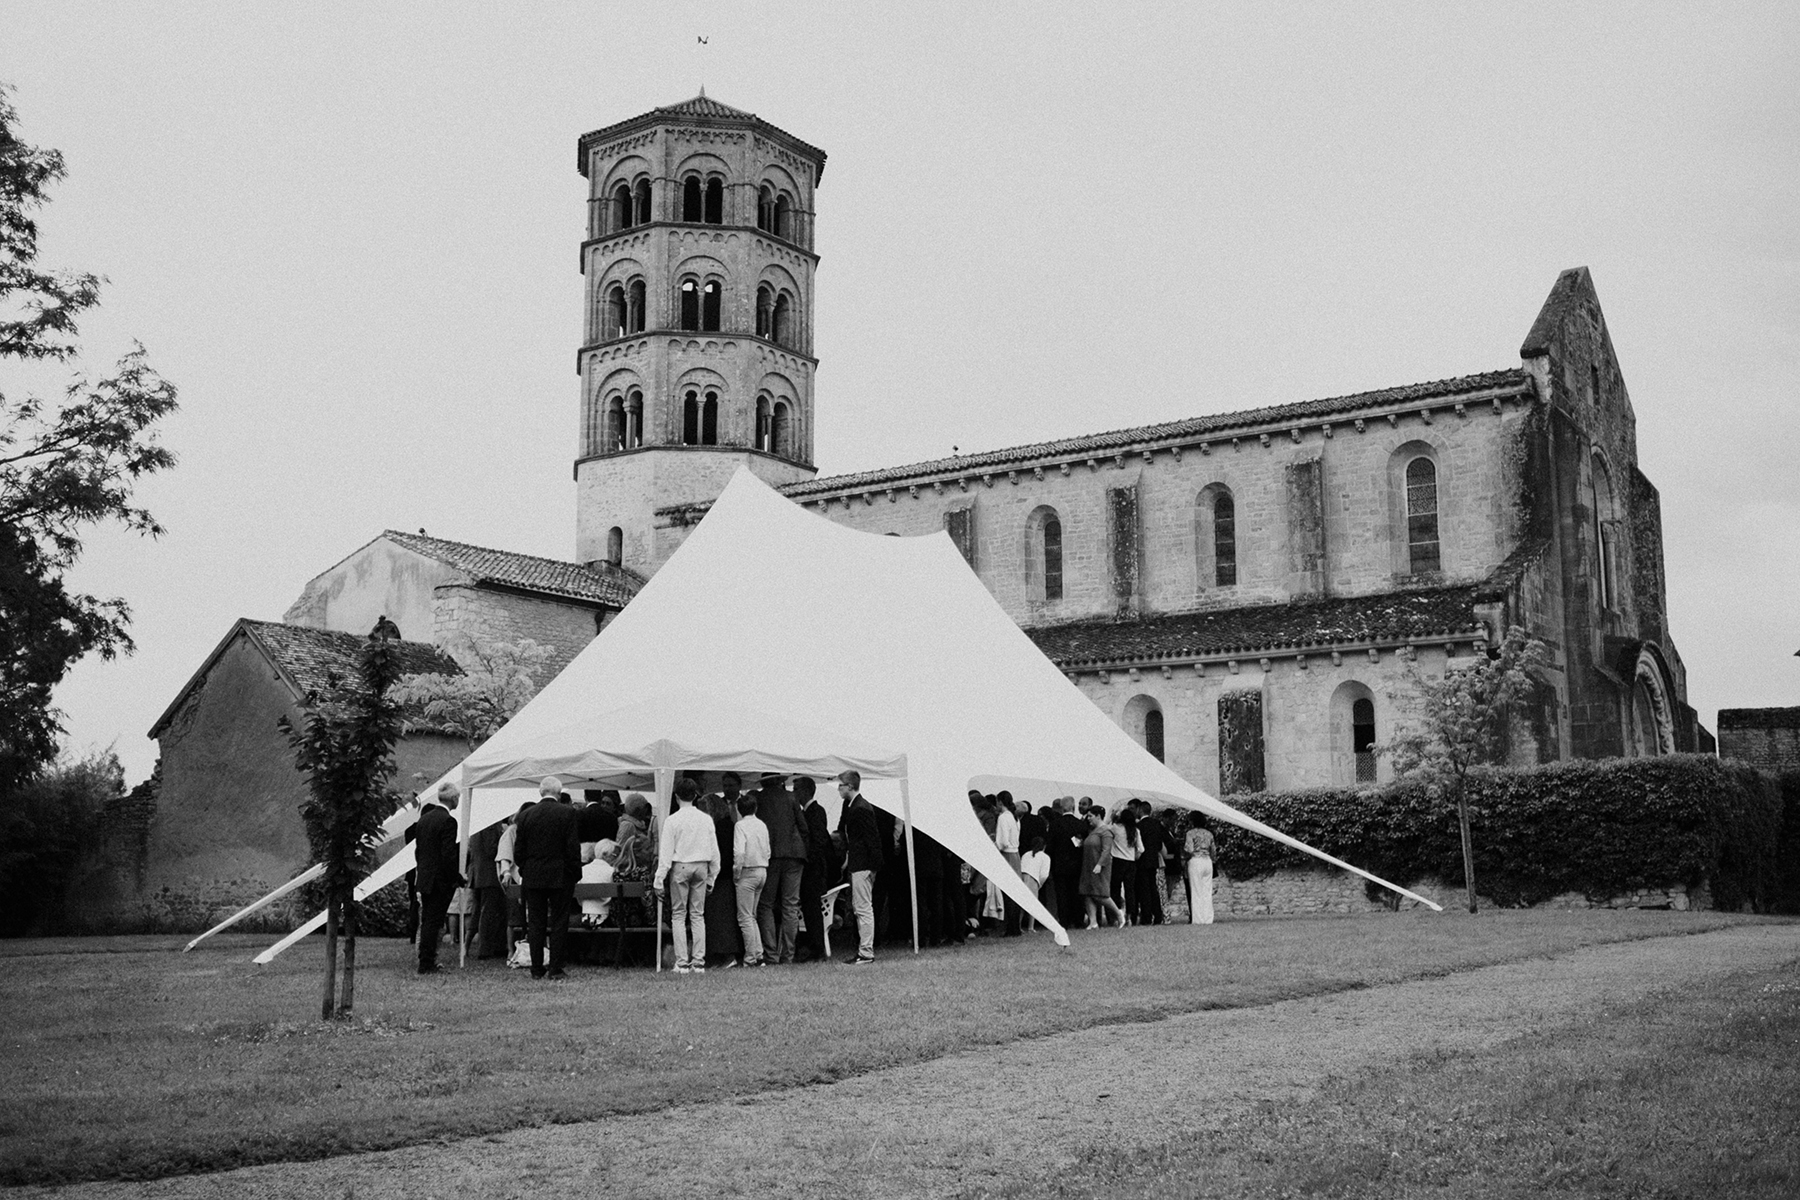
x: 547, y: 846
x: 1033, y: 826
x: 482, y: 848
x: 787, y: 831
x: 818, y: 838
x: 1155, y: 839
x: 435, y: 849
x: 1067, y: 832
x: 862, y: 835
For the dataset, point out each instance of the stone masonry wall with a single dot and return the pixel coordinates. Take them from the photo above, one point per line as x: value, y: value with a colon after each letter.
x: 490, y: 616
x: 1768, y: 738
x: 1302, y: 892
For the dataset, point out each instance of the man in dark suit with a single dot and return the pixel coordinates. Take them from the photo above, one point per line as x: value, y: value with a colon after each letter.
x: 778, y: 912
x: 547, y: 848
x: 1149, y: 864
x: 490, y: 900
x: 816, y: 876
x: 435, y: 852
x: 862, y: 839
x: 1067, y: 832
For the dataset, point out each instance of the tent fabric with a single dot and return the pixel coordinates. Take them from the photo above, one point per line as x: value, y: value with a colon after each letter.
x: 892, y: 641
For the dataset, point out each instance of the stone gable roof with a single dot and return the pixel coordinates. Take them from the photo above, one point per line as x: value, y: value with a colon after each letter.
x: 702, y: 109
x: 1218, y: 425
x: 1385, y: 618
x: 523, y: 572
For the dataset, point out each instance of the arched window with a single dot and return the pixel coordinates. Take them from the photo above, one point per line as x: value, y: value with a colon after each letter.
x: 690, y: 199
x: 643, y: 202
x: 637, y: 306
x: 1362, y: 738
x: 1606, y: 564
x: 1224, y: 540
x: 765, y: 209
x: 690, y: 304
x: 1142, y: 718
x: 1423, y: 553
x: 1043, y: 556
x: 690, y: 419
x: 634, y: 421
x: 1153, y: 733
x: 1053, y: 560
x: 621, y: 206
x: 709, y: 305
x: 615, y: 546
x: 784, y: 217
x: 783, y: 320
x: 780, y: 432
x: 762, y: 422
x: 765, y: 311
x: 618, y: 313
x: 715, y: 202
x: 615, y: 424
x: 709, y: 420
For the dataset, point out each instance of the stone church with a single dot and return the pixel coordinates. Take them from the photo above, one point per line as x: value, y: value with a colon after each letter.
x: 1252, y: 595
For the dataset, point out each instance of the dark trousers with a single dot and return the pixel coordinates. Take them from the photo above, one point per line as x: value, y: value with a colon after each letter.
x: 1065, y: 879
x: 1124, y: 888
x: 931, y: 908
x: 954, y: 895
x: 433, y: 906
x: 490, y: 922
x: 812, y: 919
x: 1149, y: 892
x: 547, y: 906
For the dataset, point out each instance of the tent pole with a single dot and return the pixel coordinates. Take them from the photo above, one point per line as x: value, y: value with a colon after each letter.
x: 465, y: 818
x: 912, y: 863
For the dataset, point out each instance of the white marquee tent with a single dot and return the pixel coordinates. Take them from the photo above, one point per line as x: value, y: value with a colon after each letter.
x: 884, y: 641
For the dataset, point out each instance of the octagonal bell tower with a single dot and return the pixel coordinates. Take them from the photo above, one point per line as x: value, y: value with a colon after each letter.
x: 696, y: 355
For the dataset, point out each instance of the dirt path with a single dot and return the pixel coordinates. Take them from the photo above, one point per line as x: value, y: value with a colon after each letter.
x: 959, y: 1122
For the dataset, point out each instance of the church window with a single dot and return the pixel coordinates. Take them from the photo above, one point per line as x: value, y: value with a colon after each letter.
x: 709, y: 420
x: 643, y: 202
x: 1224, y: 541
x: 1053, y: 559
x: 637, y: 306
x: 1605, y: 565
x: 715, y: 202
x: 634, y: 421
x: 783, y: 320
x: 690, y: 199
x: 765, y: 209
x: 1362, y: 739
x: 762, y: 422
x: 765, y: 312
x: 1153, y: 733
x: 621, y: 205
x: 618, y: 314
x: 1043, y: 556
x: 690, y: 304
x: 784, y: 217
x: 615, y: 546
x: 709, y: 305
x: 615, y: 424
x: 690, y: 419
x: 780, y: 432
x: 1423, y: 551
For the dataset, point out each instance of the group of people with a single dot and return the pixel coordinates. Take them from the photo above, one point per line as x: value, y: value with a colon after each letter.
x: 745, y: 874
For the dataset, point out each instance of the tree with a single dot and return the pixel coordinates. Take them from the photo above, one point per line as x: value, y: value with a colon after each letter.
x: 48, y: 825
x: 497, y: 679
x: 1464, y: 721
x: 345, y: 748
x: 64, y: 466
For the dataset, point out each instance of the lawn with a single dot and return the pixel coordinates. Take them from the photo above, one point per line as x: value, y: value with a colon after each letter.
x: 126, y: 1060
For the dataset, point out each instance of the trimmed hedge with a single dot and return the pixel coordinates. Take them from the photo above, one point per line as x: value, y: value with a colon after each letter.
x: 1602, y: 828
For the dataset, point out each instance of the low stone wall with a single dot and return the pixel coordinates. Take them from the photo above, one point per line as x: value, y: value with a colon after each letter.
x: 1305, y: 892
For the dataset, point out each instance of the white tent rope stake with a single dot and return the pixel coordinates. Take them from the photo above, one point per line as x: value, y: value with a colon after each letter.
x: 889, y: 641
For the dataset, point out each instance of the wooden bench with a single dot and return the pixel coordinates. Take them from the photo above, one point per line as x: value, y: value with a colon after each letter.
x: 614, y: 924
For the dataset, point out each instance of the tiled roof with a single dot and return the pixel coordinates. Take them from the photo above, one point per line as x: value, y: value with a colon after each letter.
x: 525, y: 572
x: 700, y: 108
x: 1216, y: 425
x: 311, y: 656
x: 1351, y: 620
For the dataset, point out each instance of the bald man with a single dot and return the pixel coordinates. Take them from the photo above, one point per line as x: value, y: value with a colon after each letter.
x: 547, y: 849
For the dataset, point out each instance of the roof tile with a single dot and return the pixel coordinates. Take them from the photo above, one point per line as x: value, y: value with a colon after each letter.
x: 311, y: 657
x: 524, y: 571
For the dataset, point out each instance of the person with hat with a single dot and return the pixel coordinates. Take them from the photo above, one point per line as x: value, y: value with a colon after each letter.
x: 435, y: 852
x: 547, y: 849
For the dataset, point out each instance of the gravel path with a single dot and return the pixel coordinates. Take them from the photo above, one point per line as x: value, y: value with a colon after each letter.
x: 957, y: 1123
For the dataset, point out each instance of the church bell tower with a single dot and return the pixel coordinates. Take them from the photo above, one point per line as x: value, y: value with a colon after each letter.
x: 697, y: 350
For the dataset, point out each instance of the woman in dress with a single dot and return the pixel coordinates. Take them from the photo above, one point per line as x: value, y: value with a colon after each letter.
x: 1199, y: 848
x: 1096, y: 870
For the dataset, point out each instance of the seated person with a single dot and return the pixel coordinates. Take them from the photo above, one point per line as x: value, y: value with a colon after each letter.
x: 597, y: 868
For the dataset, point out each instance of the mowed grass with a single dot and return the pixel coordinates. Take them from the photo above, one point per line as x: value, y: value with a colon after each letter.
x: 124, y: 1059
x: 1691, y: 1095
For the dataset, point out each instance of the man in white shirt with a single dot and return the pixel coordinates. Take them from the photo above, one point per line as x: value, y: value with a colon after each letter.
x: 689, y: 858
x: 750, y: 870
x: 1006, y: 840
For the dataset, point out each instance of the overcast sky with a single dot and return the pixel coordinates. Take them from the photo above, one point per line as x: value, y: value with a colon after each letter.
x: 349, y: 234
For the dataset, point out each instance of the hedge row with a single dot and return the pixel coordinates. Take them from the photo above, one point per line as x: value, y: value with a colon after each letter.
x: 1603, y: 828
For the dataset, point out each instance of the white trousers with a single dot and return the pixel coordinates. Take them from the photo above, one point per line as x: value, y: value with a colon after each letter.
x: 1200, y: 890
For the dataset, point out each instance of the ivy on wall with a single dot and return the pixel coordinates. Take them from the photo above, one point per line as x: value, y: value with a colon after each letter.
x: 1241, y: 742
x: 1600, y: 827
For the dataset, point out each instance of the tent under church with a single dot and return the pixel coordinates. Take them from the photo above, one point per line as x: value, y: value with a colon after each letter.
x: 885, y: 641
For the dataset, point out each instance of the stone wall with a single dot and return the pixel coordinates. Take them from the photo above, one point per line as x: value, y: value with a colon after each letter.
x: 1768, y: 738
x: 492, y: 616
x: 1306, y: 892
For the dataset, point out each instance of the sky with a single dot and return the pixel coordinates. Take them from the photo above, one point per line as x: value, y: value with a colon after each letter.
x: 349, y: 234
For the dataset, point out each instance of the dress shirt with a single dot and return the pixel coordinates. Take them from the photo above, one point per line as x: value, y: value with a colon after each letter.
x: 750, y: 843
x: 1006, y: 833
x: 688, y: 836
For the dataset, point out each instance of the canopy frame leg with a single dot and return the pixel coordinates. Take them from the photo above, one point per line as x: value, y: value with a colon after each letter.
x: 465, y: 817
x: 912, y: 862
